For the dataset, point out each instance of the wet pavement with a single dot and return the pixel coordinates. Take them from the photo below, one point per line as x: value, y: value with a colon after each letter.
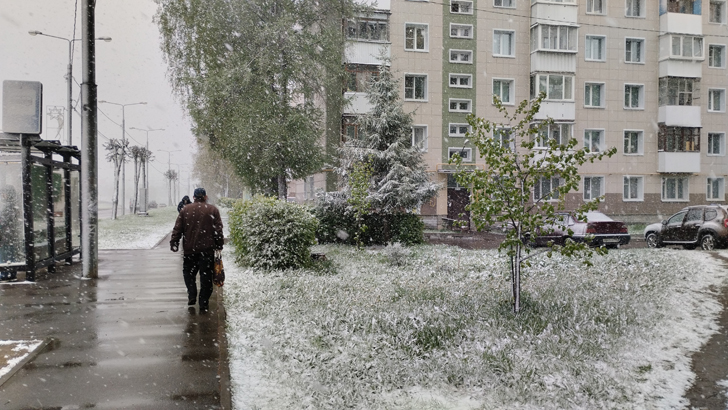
x: 126, y: 340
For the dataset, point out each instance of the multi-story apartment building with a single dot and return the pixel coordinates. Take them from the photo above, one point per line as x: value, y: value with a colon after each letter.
x: 645, y: 76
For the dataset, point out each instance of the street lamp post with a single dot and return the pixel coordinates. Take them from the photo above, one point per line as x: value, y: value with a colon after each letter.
x: 69, y: 77
x: 169, y: 168
x: 145, y: 175
x: 123, y: 139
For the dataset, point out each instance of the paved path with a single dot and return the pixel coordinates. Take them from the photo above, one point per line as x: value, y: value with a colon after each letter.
x: 124, y: 341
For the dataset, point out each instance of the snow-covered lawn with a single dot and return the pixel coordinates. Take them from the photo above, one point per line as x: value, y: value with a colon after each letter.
x: 432, y: 328
x: 137, y: 232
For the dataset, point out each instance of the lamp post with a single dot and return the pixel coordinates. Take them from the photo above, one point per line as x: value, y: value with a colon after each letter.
x: 169, y: 168
x: 123, y: 139
x: 145, y: 175
x: 69, y: 76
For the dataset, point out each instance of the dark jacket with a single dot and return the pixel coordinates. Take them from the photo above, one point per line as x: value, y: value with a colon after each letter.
x: 200, y: 225
x: 185, y: 200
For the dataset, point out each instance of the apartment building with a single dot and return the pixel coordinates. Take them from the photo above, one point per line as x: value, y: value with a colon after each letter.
x: 645, y: 76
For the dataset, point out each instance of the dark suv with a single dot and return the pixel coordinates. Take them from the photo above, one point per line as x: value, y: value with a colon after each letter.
x: 702, y: 225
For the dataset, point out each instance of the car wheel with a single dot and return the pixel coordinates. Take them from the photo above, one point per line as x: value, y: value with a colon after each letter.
x: 652, y: 240
x: 707, y: 242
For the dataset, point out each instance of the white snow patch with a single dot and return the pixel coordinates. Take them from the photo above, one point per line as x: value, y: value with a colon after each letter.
x: 22, y: 350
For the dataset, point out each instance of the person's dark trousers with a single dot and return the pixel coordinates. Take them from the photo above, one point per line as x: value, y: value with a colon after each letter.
x: 198, y: 262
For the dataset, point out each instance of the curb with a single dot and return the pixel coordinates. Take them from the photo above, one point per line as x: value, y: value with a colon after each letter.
x: 31, y: 356
x: 223, y: 369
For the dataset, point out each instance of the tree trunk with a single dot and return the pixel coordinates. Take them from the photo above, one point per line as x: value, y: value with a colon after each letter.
x: 282, y: 188
x: 115, y: 198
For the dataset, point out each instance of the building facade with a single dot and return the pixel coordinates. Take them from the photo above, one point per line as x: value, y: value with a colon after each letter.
x: 645, y: 76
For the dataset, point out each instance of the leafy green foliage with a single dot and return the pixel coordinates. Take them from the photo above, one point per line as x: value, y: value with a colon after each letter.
x: 272, y: 234
x: 358, y: 200
x: 509, y: 190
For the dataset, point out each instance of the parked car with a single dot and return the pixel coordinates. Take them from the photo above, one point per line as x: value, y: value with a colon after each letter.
x: 152, y: 204
x: 701, y: 225
x: 598, y: 229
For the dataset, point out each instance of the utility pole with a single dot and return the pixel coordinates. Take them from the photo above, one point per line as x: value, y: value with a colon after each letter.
x: 89, y: 160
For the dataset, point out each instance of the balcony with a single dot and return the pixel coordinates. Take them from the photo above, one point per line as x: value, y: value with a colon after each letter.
x: 678, y: 162
x: 558, y: 110
x: 358, y: 103
x: 553, y: 13
x: 363, y: 52
x: 555, y: 62
x: 679, y: 115
x: 681, y: 23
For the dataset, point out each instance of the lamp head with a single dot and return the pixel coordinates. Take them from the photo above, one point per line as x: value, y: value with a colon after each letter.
x: 106, y: 39
x: 34, y: 32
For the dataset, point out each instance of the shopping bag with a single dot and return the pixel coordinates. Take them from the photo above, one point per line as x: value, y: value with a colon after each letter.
x: 218, y: 276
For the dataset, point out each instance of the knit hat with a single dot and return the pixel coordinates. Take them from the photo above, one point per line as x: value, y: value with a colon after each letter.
x: 199, y: 193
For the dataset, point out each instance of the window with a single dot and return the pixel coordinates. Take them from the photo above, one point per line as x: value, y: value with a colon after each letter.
x: 558, y: 38
x: 594, y: 95
x: 461, y: 7
x: 716, y: 189
x: 633, y: 50
x: 415, y: 87
x: 460, y: 105
x: 593, y: 188
x: 367, y: 29
x: 503, y: 135
x: 595, y: 6
x: 359, y: 76
x: 503, y: 89
x: 716, y: 100
x: 716, y: 55
x: 683, y: 6
x: 461, y: 56
x: 465, y: 153
x: 595, y: 48
x: 633, y: 188
x: 634, y: 8
x: 349, y: 128
x: 504, y: 3
x: 415, y: 37
x: 458, y: 130
x: 558, y: 132
x: 716, y: 143
x: 461, y: 30
x: 678, y: 139
x: 633, y: 96
x: 546, y: 189
x: 678, y: 91
x: 675, y: 189
x: 461, y: 80
x: 717, y: 11
x: 503, y: 44
x: 633, y: 142
x: 419, y: 137
x: 594, y: 140
x: 556, y: 86
x: 687, y: 46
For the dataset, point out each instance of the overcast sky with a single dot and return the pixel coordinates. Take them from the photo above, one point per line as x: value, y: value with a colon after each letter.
x: 129, y: 69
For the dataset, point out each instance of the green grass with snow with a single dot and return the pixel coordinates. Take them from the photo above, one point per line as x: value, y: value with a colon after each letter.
x: 137, y: 232
x: 431, y: 327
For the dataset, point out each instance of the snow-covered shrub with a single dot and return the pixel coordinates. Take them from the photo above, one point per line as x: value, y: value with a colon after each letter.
x: 225, y: 202
x: 272, y: 234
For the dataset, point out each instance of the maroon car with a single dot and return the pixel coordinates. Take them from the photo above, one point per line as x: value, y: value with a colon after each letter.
x: 598, y: 229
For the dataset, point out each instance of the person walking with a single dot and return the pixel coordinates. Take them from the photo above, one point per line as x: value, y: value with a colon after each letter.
x: 185, y: 200
x: 200, y: 228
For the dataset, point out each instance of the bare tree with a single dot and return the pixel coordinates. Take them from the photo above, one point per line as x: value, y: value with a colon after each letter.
x: 171, y: 176
x: 139, y: 155
x: 117, y: 154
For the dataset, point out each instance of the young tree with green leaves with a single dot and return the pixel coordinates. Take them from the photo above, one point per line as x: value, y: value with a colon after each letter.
x: 253, y: 76
x: 117, y: 154
x: 519, y: 154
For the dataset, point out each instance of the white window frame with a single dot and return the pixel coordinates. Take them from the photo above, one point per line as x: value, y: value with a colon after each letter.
x: 722, y: 5
x: 721, y: 144
x: 629, y: 8
x: 459, y: 102
x: 415, y: 76
x: 498, y: 135
x: 461, y: 30
x: 562, y: 128
x: 589, y: 89
x: 589, y: 134
x: 589, y: 47
x: 711, y: 99
x: 712, y: 60
x: 641, y: 99
x: 460, y: 53
x: 511, y: 90
x: 468, y: 153
x: 684, y: 184
x: 460, y: 3
x: 640, y: 54
x: 680, y: 40
x: 640, y: 142
x: 626, y: 183
x: 540, y: 183
x: 459, y: 127
x: 506, y: 4
x: 498, y: 35
x: 590, y: 7
x: 458, y: 77
x: 565, y: 90
x: 417, y: 26
x: 588, y: 188
x: 423, y: 145
x: 556, y: 33
x: 710, y: 195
